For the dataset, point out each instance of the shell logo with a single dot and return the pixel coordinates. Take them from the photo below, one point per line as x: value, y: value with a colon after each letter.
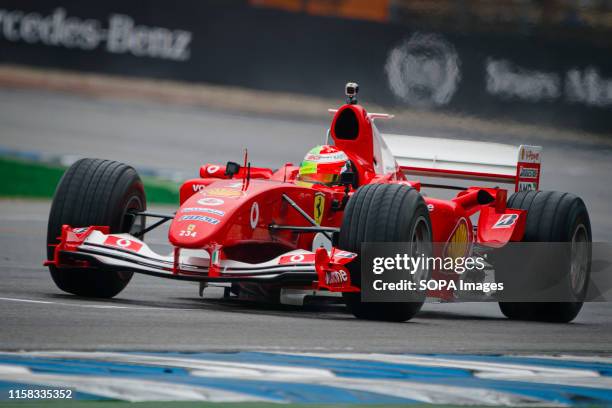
x: 222, y: 192
x: 459, y: 243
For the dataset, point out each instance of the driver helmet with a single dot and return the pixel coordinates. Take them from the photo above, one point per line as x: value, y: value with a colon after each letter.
x: 323, y: 165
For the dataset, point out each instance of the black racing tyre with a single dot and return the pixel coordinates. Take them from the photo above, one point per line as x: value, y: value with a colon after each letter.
x: 551, y: 217
x: 382, y: 213
x: 94, y: 192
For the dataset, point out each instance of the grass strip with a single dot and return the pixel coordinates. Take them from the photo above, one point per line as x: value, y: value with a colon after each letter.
x: 29, y: 179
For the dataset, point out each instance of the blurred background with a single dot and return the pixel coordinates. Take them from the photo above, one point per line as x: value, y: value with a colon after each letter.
x: 552, y: 16
x: 168, y: 86
x: 545, y: 62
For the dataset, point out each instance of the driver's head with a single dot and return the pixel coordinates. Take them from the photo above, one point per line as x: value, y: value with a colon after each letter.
x: 323, y: 165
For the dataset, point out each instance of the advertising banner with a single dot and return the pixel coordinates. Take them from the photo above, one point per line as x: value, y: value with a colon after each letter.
x: 509, y: 76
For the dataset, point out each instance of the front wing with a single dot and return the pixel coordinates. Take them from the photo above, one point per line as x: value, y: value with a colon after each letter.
x: 94, y: 248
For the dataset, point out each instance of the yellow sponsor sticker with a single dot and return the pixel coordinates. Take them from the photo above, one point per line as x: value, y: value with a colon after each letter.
x: 222, y: 192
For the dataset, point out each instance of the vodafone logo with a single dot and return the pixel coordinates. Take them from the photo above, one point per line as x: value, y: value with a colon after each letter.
x: 297, y: 259
x: 123, y: 243
x: 210, y: 201
x: 212, y: 169
x: 254, y: 215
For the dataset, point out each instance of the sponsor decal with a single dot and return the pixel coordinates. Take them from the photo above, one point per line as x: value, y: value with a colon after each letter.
x: 202, y: 218
x: 204, y: 210
x: 189, y: 232
x: 213, y: 211
x: 530, y: 154
x: 506, y: 221
x: 198, y: 187
x: 588, y: 87
x: 509, y: 81
x: 430, y: 207
x: 326, y: 157
x: 528, y: 172
x: 191, y: 209
x: 319, y: 207
x: 223, y: 192
x: 235, y: 185
x: 254, y: 216
x: 210, y: 201
x: 212, y: 169
x: 122, y: 243
x: 527, y: 186
x: 297, y: 259
x: 423, y: 70
x: 119, y: 35
x: 80, y: 230
x: 344, y: 254
x: 336, y: 277
x: 459, y: 244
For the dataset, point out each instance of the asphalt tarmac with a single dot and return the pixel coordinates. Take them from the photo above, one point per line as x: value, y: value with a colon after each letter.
x: 157, y: 314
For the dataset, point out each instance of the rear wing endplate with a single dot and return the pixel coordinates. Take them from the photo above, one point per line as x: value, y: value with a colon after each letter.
x: 468, y: 160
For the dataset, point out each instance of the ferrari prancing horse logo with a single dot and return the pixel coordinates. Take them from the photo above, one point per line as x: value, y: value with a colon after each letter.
x: 319, y: 207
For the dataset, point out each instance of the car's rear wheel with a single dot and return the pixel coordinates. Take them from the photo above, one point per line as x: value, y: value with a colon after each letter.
x: 95, y: 192
x: 555, y: 218
x: 384, y: 213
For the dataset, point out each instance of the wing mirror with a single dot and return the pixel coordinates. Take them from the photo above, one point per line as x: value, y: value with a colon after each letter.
x: 347, y: 178
x: 231, y: 168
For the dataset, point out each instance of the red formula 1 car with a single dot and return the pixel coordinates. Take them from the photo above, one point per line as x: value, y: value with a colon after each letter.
x: 244, y: 225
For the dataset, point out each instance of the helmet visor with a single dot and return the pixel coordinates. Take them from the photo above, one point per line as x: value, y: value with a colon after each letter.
x: 320, y: 178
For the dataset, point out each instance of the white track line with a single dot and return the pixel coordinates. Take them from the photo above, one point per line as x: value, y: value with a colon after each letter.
x: 89, y: 306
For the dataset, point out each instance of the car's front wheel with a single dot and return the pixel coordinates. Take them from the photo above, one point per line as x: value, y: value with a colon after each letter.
x: 95, y: 192
x: 384, y: 213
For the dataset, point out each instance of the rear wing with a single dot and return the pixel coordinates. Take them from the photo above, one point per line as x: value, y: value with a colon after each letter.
x: 468, y: 160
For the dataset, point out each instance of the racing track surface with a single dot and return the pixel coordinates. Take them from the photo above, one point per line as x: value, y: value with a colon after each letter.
x: 158, y: 314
